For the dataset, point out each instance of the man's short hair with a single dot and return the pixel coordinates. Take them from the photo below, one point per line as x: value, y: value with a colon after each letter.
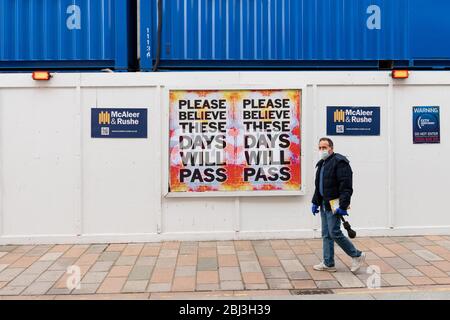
x: 330, y: 142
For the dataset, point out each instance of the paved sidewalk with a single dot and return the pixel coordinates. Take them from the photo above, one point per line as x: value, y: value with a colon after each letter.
x: 222, y: 269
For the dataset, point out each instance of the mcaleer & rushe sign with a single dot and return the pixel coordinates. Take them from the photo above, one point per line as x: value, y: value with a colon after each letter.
x: 353, y: 121
x: 118, y: 123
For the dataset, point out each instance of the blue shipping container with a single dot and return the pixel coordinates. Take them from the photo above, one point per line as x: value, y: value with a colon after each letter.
x: 328, y: 34
x: 67, y: 34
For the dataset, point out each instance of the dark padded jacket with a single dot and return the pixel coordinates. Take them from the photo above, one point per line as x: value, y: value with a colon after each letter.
x: 337, y: 181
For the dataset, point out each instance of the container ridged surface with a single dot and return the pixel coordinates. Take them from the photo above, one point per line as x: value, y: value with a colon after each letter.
x: 202, y: 33
x: 64, y: 34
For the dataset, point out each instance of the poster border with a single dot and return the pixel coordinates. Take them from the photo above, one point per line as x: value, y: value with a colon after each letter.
x: 221, y: 194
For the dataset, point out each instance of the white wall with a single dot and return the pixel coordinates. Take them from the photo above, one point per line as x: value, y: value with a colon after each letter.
x: 59, y: 185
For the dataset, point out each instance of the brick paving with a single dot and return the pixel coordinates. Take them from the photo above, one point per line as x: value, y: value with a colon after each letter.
x: 224, y: 268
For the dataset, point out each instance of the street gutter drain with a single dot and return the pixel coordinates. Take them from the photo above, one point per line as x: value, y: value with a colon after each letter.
x: 311, y: 292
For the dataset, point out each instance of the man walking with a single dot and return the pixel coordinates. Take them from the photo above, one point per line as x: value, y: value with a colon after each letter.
x: 334, y: 181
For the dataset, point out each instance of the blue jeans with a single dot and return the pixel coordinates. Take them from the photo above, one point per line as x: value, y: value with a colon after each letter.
x: 331, y: 232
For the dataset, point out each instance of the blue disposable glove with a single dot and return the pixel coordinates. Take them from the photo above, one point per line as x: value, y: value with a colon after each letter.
x: 341, y: 212
x: 315, y: 209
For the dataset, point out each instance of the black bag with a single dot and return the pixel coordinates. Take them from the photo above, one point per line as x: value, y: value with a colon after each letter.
x: 348, y: 227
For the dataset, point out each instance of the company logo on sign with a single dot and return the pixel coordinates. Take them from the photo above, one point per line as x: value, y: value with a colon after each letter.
x: 339, y: 116
x: 424, y: 122
x: 104, y: 118
x: 353, y: 121
x: 119, y: 123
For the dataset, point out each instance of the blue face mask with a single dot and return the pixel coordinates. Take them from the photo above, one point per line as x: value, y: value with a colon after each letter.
x: 324, y: 154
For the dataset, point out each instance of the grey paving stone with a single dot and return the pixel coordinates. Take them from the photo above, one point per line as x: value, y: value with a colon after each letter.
x: 442, y: 243
x: 185, y: 271
x: 285, y: 254
x: 328, y: 284
x: 86, y: 288
x: 247, y: 256
x: 412, y: 245
x: 250, y: 266
x: 37, y: 289
x: 274, y: 272
x: 256, y: 286
x: 168, y: 253
x: 11, y: 291
x: 59, y: 291
x: 23, y: 280
x: 207, y: 244
x: 126, y: 261
x: 230, y: 274
x: 38, y: 251
x: 265, y: 251
x: 62, y: 264
x: 225, y: 243
x: 398, y: 263
x: 50, y: 276
x: 52, y: 256
x: 97, y: 248
x: 146, y: 261
x: 299, y: 275
x: 423, y: 241
x: 261, y: 243
x: 226, y: 250
x: 207, y: 264
x: 384, y: 240
x: 348, y: 280
x: 38, y: 267
x: 8, y: 248
x: 166, y: 262
x: 411, y: 272
x: 292, y: 265
x: 427, y: 255
x: 158, y: 244
x: 395, y: 279
x: 231, y: 285
x: 402, y: 239
x: 140, y: 273
x: 109, y: 256
x: 188, y: 250
x: 10, y: 273
x: 159, y: 287
x: 135, y: 286
x: 275, y: 284
x: 296, y: 242
x: 414, y: 260
x: 308, y: 259
x: 102, y: 266
x: 94, y: 277
x: 3, y: 267
x: 208, y: 287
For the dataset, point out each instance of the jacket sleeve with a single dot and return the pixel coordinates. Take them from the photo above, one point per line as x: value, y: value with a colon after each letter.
x: 345, y: 181
x: 317, y: 198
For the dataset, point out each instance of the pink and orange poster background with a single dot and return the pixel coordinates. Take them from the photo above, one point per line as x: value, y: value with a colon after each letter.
x: 234, y: 153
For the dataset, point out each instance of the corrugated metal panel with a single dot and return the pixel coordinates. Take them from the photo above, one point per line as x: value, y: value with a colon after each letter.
x: 353, y: 33
x: 65, y: 34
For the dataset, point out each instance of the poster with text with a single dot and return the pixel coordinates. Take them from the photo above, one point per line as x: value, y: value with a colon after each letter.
x: 426, y: 125
x: 235, y: 141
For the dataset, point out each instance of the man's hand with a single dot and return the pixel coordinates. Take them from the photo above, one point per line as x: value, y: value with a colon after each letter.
x: 341, y: 212
x: 315, y: 209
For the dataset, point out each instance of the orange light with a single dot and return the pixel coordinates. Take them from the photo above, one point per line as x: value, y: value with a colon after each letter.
x: 41, y: 75
x: 400, y: 74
